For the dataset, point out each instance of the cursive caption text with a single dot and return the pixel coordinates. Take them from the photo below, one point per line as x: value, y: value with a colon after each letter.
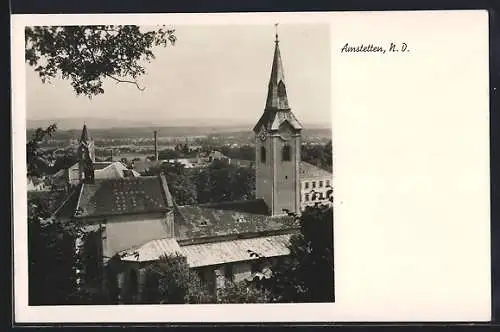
x: 372, y: 48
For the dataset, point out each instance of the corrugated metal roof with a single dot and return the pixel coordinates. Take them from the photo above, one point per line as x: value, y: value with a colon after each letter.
x: 152, y: 251
x: 234, y: 251
x: 211, y: 253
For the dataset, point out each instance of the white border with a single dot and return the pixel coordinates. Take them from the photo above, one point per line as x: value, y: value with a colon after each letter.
x: 349, y: 306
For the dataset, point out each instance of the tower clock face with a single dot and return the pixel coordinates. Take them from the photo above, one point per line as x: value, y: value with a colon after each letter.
x: 262, y: 135
x: 286, y: 135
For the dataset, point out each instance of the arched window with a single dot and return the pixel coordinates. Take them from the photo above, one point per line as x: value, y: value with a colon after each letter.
x: 262, y: 154
x: 286, y: 153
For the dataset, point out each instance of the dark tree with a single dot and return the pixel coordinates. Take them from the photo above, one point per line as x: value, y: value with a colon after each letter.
x: 243, y: 292
x: 307, y: 274
x: 179, y: 182
x: 86, y: 55
x: 224, y: 182
x: 39, y: 162
x: 177, y: 283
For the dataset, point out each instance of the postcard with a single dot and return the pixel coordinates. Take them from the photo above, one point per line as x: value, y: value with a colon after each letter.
x: 251, y: 167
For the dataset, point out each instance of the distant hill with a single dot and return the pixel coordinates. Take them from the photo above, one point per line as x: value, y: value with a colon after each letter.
x: 145, y: 132
x: 77, y: 123
x: 113, y: 128
x: 105, y: 123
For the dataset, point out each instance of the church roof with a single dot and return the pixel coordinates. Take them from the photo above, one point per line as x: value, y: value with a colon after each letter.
x: 276, y: 93
x: 230, y: 218
x: 85, y: 135
x: 310, y: 171
x: 273, y: 119
x: 277, y: 110
x: 109, y: 197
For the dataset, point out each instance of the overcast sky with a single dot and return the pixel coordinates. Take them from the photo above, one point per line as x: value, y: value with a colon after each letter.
x: 213, y: 73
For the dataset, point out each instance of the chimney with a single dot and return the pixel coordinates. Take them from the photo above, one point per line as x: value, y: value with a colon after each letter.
x: 156, y: 145
x: 111, y: 155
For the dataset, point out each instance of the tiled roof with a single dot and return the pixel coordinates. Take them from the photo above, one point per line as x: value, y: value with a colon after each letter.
x: 121, y: 196
x: 204, y: 221
x: 206, y: 254
x: 310, y: 171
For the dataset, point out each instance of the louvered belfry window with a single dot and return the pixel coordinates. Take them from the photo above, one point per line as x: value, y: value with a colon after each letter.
x: 262, y: 154
x: 286, y: 153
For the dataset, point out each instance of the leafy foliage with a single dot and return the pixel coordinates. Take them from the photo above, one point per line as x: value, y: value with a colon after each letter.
x: 307, y: 274
x: 177, y: 283
x: 53, y: 259
x: 223, y: 182
x: 243, y: 292
x: 319, y: 155
x: 179, y: 182
x: 86, y: 55
x: 37, y: 160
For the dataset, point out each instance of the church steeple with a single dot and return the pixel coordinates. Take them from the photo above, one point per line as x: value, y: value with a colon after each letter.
x: 277, y: 146
x: 85, y: 134
x: 276, y: 93
x: 86, y: 156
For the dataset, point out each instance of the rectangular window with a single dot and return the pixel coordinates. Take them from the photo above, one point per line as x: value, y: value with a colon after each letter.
x: 320, y: 195
x: 314, y: 184
x: 327, y: 183
x: 306, y: 197
x: 320, y: 184
x: 306, y: 185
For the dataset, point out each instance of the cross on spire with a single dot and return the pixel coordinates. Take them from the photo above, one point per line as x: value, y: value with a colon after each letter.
x: 276, y: 32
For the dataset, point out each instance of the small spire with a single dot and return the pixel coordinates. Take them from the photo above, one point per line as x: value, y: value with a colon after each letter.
x: 276, y: 94
x: 276, y: 34
x: 85, y: 135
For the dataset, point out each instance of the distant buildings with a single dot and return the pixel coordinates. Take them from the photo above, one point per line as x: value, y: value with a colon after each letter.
x: 315, y: 186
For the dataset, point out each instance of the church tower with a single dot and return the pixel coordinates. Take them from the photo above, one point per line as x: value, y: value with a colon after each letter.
x: 86, y: 157
x: 277, y: 146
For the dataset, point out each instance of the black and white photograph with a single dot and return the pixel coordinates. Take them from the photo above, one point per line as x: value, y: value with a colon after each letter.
x: 179, y: 164
x: 251, y: 167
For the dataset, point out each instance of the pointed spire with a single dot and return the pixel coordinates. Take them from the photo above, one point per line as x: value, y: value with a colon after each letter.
x: 85, y: 134
x: 276, y: 94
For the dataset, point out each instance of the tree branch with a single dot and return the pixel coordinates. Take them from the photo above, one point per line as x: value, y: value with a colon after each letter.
x: 126, y: 81
x: 108, y: 75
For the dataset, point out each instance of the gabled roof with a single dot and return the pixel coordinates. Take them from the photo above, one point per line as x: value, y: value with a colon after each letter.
x: 111, y: 197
